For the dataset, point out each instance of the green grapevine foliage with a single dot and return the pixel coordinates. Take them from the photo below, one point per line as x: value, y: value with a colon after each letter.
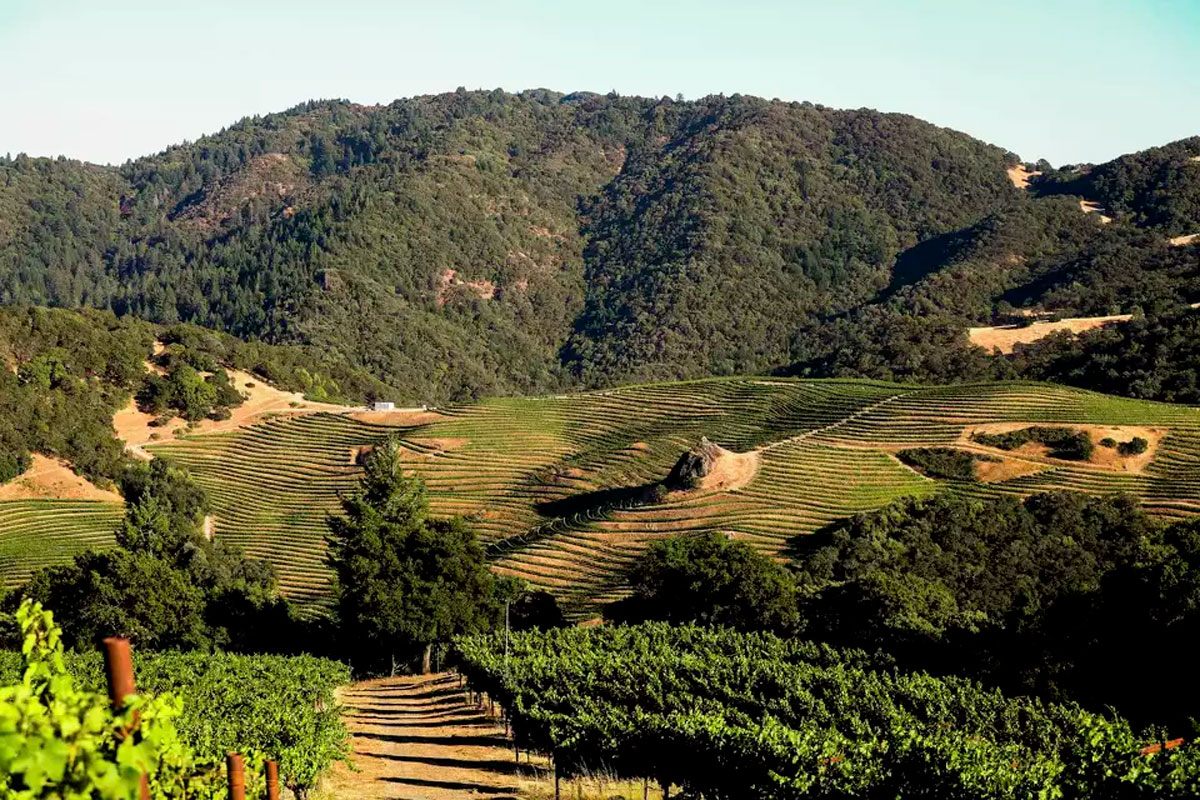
x: 732, y: 715
x: 196, y: 708
x: 60, y: 741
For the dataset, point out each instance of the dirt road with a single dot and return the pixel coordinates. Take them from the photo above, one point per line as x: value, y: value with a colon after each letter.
x: 416, y: 737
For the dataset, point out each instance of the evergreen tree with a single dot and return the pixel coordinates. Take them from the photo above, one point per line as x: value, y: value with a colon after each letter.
x: 165, y: 585
x: 404, y: 581
x: 711, y: 580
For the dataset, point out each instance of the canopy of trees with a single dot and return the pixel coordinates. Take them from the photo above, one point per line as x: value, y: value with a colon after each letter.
x: 165, y: 586
x: 711, y: 580
x: 403, y: 580
x: 482, y: 242
x: 1063, y: 595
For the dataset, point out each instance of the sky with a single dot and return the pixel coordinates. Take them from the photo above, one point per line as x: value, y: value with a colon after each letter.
x: 1057, y: 79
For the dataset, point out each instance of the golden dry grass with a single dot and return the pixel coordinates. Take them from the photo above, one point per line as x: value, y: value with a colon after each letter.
x: 262, y: 400
x: 1032, y: 452
x: 402, y: 417
x: 50, y: 478
x: 731, y: 470
x: 1092, y: 207
x: 1020, y: 176
x: 1006, y: 337
x: 1005, y: 468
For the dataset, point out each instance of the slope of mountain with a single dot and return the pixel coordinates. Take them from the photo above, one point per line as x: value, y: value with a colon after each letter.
x: 482, y: 243
x: 490, y: 243
x: 566, y: 490
x: 1157, y: 188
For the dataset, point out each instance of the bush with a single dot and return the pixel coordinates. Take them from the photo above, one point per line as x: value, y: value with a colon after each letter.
x: 1134, y: 447
x: 711, y: 579
x: 187, y: 391
x: 14, y: 464
x: 1108, y: 441
x: 1064, y: 443
x: 943, y: 462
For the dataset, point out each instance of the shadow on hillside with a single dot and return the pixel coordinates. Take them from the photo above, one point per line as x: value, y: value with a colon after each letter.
x: 599, y: 501
x: 803, y: 545
x: 924, y: 259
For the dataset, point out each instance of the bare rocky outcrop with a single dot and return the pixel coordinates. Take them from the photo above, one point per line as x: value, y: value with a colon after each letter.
x: 710, y: 466
x: 694, y: 465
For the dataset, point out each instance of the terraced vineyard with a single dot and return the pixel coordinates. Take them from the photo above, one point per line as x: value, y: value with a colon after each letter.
x: 273, y: 484
x: 39, y: 533
x: 531, y: 473
x: 540, y: 478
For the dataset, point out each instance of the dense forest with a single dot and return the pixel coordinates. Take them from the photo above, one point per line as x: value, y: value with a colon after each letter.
x: 478, y: 243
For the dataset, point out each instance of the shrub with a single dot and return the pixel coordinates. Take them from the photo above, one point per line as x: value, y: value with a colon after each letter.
x: 943, y: 462
x: 1064, y: 443
x: 1108, y: 441
x: 1135, y: 446
x: 14, y: 464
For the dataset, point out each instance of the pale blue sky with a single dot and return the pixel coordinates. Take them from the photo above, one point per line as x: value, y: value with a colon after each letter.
x: 1065, y: 80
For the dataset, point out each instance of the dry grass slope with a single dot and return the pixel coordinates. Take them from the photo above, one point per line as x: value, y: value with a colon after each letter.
x: 1006, y: 337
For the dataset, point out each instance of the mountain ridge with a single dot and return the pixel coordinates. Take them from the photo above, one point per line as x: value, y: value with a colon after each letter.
x: 475, y: 243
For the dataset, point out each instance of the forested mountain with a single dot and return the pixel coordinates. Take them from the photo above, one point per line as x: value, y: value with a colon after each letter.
x: 482, y: 242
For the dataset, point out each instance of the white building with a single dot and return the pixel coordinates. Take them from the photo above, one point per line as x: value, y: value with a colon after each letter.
x: 380, y: 405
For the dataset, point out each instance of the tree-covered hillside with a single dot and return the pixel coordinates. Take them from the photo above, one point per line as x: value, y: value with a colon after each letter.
x: 489, y: 243
x: 67, y: 372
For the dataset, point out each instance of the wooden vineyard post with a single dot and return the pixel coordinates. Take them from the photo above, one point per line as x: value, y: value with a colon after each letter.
x: 237, y: 777
x: 118, y: 669
x: 272, y: 780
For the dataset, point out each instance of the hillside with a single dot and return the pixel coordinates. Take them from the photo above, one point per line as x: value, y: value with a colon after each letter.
x: 559, y: 487
x: 482, y: 243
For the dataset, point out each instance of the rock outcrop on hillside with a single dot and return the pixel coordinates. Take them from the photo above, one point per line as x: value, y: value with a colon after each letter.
x: 694, y: 465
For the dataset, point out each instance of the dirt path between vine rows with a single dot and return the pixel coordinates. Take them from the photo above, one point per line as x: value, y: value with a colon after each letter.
x: 417, y: 738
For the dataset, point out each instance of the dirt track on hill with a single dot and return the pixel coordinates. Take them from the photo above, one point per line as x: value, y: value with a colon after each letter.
x: 416, y: 737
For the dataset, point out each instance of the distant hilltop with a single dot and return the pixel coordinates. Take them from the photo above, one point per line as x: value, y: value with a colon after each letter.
x: 482, y: 243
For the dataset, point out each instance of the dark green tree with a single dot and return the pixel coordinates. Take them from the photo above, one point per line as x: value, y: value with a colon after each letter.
x: 535, y: 609
x: 134, y: 594
x: 403, y: 580
x: 165, y: 586
x: 712, y: 580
